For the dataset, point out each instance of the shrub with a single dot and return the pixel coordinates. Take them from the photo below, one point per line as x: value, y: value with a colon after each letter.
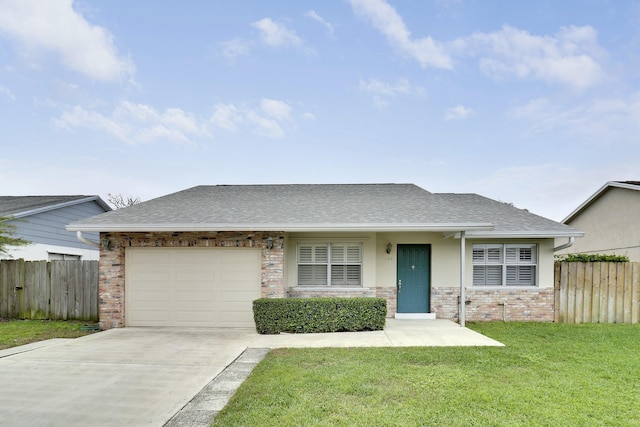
x: 592, y: 258
x: 304, y: 315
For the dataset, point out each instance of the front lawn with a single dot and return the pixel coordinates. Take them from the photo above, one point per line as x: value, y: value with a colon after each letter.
x: 18, y: 332
x: 547, y: 375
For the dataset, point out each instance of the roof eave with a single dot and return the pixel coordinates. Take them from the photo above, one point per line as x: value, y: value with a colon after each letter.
x: 48, y: 208
x: 449, y: 227
x: 542, y: 234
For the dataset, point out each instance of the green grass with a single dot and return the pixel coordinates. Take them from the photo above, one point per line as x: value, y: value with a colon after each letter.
x: 18, y: 332
x: 547, y: 375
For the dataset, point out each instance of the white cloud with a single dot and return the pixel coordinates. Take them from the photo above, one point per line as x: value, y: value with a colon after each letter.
x: 264, y: 126
x: 271, y: 33
x: 308, y: 116
x: 380, y: 88
x: 269, y: 119
x: 458, y: 112
x: 602, y: 120
x: 7, y: 92
x: 382, y: 92
x: 276, y: 35
x: 140, y: 123
x: 136, y: 123
x: 235, y: 48
x: 568, y: 57
x: 54, y: 26
x: 226, y: 116
x: 279, y: 110
x: 329, y: 27
x: 384, y: 18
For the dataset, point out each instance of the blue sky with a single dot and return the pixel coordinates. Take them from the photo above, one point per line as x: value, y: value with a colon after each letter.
x: 535, y: 103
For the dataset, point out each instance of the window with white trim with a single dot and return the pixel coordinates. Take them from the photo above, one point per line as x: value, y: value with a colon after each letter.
x: 330, y: 264
x: 505, y: 264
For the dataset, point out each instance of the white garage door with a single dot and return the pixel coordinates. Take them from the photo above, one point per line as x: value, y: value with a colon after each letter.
x: 208, y: 287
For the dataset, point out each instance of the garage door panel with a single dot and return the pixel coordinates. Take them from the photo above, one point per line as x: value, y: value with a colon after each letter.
x: 150, y: 317
x: 149, y: 257
x: 211, y: 287
x: 228, y: 255
x: 195, y: 297
x: 243, y: 296
x: 152, y: 276
x: 195, y: 316
x: 238, y: 276
x: 194, y: 276
x: 142, y: 297
x: 187, y: 256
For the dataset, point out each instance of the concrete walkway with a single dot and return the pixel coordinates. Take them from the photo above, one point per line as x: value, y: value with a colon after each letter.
x: 397, y: 333
x: 145, y: 376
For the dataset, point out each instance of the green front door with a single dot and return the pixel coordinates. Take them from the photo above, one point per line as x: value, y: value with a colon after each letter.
x: 414, y: 277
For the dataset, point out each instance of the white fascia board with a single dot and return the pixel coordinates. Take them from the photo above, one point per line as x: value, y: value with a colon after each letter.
x: 280, y: 227
x: 522, y: 234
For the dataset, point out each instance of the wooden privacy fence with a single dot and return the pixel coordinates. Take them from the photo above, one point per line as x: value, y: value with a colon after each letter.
x: 60, y: 290
x: 597, y: 292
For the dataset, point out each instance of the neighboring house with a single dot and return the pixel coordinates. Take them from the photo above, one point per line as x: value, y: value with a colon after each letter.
x: 199, y: 257
x: 610, y: 219
x: 42, y: 220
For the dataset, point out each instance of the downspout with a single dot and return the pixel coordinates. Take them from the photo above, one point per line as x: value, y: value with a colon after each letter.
x: 566, y: 245
x: 462, y: 274
x: 85, y: 240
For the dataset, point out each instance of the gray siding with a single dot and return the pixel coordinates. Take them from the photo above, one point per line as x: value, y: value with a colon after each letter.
x: 49, y: 227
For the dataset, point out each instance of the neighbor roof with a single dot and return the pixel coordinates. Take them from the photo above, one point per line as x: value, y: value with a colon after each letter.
x: 324, y: 207
x: 628, y: 185
x: 21, y: 206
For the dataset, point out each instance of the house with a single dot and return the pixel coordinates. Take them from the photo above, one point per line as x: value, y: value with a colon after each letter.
x: 42, y: 220
x: 610, y: 219
x: 199, y: 257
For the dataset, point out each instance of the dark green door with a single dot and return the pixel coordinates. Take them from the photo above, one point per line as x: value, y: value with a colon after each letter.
x: 414, y: 277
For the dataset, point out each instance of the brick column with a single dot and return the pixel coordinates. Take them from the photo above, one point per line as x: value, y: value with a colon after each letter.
x: 111, y: 284
x: 273, y: 267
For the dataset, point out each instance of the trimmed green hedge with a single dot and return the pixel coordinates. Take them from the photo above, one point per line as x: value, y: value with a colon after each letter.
x: 304, y: 315
x: 592, y: 258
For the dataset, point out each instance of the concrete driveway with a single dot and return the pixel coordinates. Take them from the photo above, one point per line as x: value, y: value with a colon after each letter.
x: 123, y: 377
x: 143, y: 376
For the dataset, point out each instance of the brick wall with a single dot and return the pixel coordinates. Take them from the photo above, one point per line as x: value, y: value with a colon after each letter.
x: 391, y: 296
x: 112, y: 263
x: 495, y: 304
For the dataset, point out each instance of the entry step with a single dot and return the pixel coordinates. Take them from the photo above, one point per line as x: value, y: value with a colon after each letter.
x: 416, y: 316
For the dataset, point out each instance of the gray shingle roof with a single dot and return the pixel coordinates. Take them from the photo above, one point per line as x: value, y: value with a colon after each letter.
x: 320, y: 207
x: 21, y: 205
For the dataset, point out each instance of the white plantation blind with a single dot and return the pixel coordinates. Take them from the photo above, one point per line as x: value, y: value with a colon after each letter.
x: 505, y: 264
x: 490, y: 275
x: 311, y: 254
x: 312, y: 264
x: 312, y: 275
x: 345, y: 253
x: 521, y: 262
x: 487, y: 254
x: 330, y: 264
